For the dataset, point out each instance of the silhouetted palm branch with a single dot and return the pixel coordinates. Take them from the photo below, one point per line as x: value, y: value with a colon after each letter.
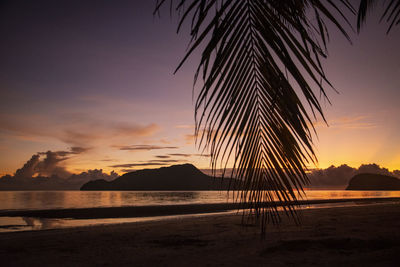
x: 391, y: 13
x: 259, y: 60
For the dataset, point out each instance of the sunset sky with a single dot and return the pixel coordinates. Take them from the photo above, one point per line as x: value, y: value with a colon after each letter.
x: 96, y: 78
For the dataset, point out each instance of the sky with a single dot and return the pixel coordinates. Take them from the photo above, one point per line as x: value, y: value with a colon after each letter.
x: 95, y: 79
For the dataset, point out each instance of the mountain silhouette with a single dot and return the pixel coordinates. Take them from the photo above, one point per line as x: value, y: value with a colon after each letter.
x: 185, y: 177
x: 370, y: 181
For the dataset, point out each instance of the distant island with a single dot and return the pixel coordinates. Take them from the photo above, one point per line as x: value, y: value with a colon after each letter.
x: 185, y: 177
x: 370, y: 181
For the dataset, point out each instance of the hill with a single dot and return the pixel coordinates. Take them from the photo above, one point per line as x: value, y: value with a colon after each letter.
x: 184, y: 177
x: 369, y: 181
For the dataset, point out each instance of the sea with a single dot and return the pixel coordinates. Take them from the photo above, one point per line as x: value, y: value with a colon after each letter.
x: 39, y: 200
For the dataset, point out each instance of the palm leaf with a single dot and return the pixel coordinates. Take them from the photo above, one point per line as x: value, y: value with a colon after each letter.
x: 260, y: 61
x: 391, y: 13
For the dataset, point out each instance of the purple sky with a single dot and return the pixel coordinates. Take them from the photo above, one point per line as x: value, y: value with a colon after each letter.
x: 98, y: 75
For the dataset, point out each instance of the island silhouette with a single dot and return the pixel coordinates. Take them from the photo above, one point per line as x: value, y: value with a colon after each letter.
x: 184, y: 177
x: 371, y: 181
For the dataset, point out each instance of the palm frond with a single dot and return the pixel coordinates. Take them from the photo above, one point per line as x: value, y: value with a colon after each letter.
x: 391, y: 12
x: 260, y: 60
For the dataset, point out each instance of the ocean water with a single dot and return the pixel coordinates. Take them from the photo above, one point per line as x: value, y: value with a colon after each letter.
x: 37, y: 200
x: 33, y: 200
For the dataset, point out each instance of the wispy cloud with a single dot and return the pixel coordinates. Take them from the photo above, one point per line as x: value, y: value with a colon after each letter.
x: 135, y: 130
x: 107, y: 160
x: 78, y: 136
x: 144, y: 147
x: 130, y: 165
x: 76, y: 129
x: 190, y: 139
x: 188, y: 155
x: 145, y: 163
x: 162, y: 156
x: 164, y: 160
x: 74, y: 151
x: 185, y: 126
x: 180, y: 155
x: 348, y: 122
x: 79, y: 150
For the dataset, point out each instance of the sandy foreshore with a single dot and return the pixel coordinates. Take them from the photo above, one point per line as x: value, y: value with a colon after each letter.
x: 367, y: 235
x: 170, y: 210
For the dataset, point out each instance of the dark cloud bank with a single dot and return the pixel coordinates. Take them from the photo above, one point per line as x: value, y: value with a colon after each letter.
x: 331, y: 177
x: 44, y: 172
x: 339, y: 177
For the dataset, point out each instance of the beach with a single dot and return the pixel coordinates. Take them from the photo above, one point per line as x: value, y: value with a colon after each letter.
x: 360, y: 235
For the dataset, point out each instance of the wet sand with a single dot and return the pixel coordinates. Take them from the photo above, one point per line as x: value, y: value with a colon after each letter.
x: 365, y: 235
x: 169, y: 210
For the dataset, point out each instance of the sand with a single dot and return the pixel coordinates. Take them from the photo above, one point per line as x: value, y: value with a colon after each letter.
x: 365, y: 235
x: 168, y: 210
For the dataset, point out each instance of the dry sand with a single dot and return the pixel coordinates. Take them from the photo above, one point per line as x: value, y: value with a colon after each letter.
x: 367, y: 235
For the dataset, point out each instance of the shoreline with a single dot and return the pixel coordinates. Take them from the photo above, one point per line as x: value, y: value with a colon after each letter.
x: 168, y: 210
x: 356, y: 235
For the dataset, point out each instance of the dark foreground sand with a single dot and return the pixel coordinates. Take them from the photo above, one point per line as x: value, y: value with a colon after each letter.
x: 349, y: 236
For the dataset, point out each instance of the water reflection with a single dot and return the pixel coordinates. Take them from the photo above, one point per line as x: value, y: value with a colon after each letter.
x: 23, y: 200
x: 26, y: 200
x: 42, y: 223
x: 15, y: 224
x: 11, y: 224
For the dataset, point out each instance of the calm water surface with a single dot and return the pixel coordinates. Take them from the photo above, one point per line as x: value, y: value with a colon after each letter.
x: 30, y: 200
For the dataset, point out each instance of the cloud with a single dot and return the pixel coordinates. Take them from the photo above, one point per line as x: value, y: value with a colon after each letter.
x: 162, y: 156
x: 76, y: 129
x: 339, y: 177
x: 43, y: 167
x: 135, y: 130
x: 144, y: 147
x: 185, y: 126
x: 356, y: 122
x: 127, y: 165
x: 374, y: 168
x: 29, y: 168
x: 190, y: 138
x: 180, y: 155
x: 44, y: 172
x: 189, y: 155
x: 73, y: 151
x: 332, y: 176
x: 202, y: 135
x: 146, y: 163
x: 130, y: 165
x: 348, y: 122
x: 79, y: 150
x: 128, y: 170
x: 88, y: 133
x: 77, y: 137
x: 202, y: 155
x: 49, y: 165
x: 89, y: 175
x: 165, y: 141
x: 165, y: 160
x: 24, y: 127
